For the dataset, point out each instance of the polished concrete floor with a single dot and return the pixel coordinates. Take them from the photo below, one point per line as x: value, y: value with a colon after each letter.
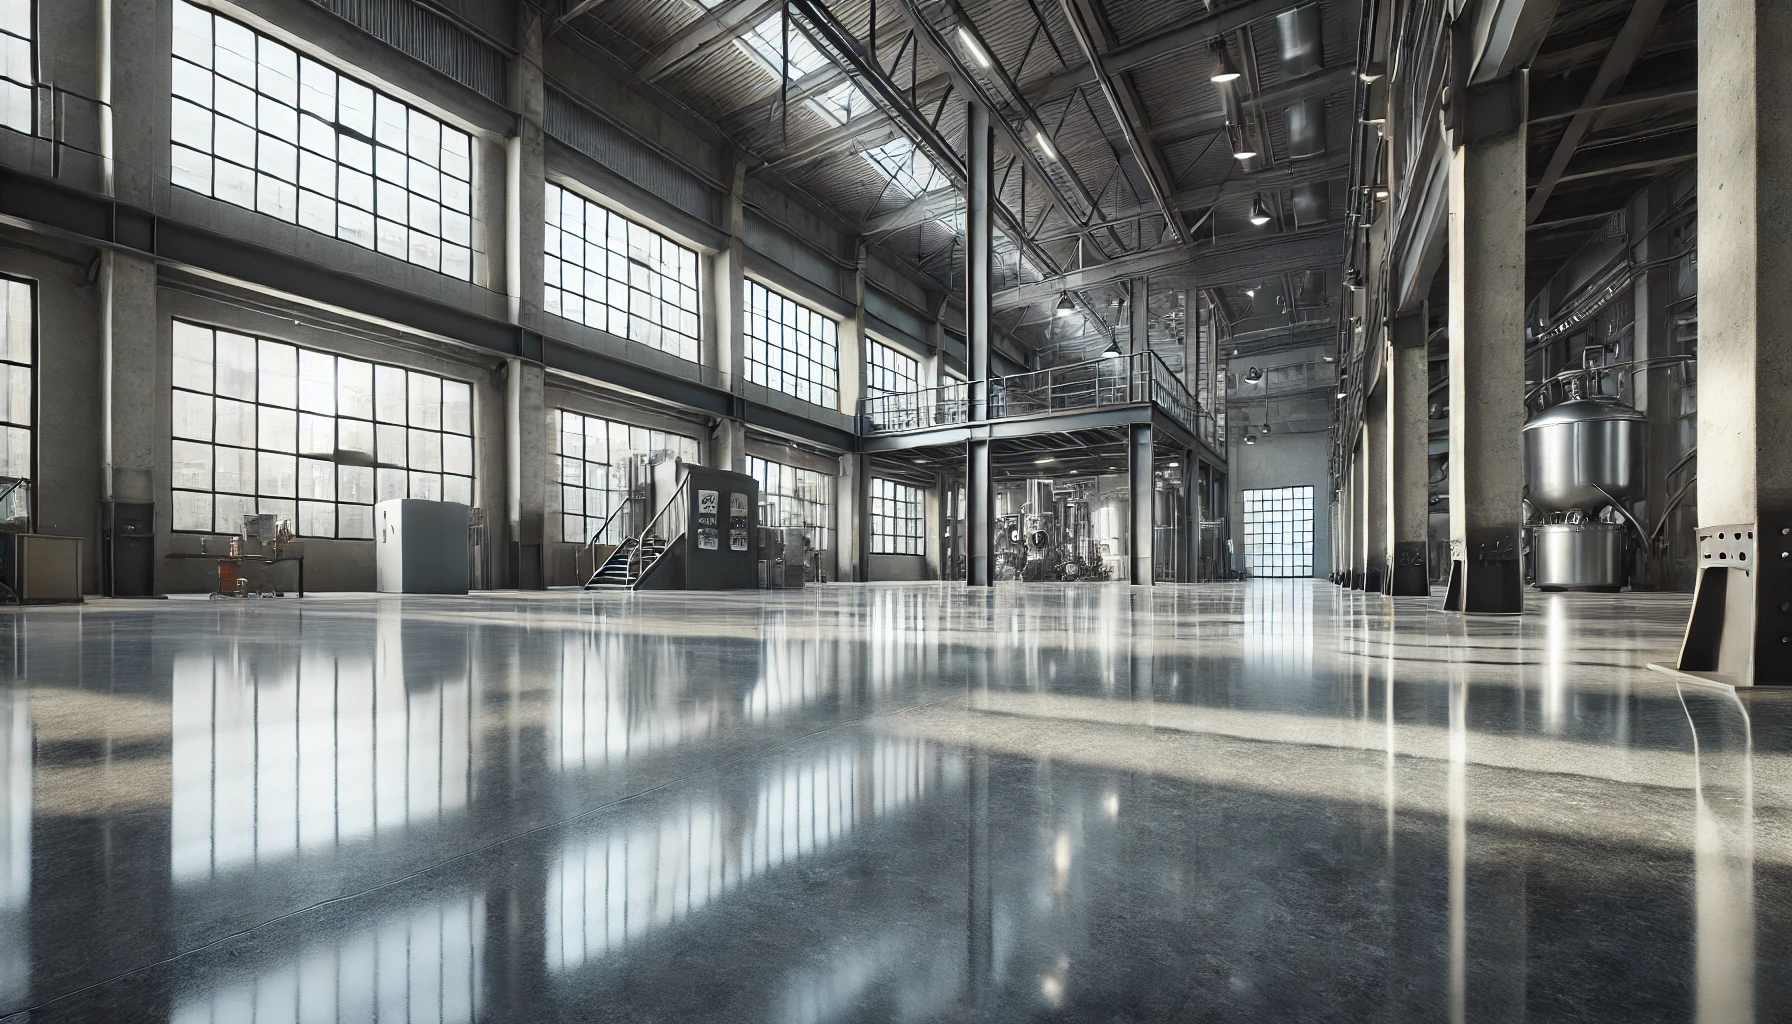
x: 1273, y: 801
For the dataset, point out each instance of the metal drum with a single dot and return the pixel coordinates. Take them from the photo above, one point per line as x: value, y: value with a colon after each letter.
x: 1574, y: 449
x: 1578, y: 556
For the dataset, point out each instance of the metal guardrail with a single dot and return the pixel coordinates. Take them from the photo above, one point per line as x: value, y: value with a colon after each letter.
x: 1136, y: 379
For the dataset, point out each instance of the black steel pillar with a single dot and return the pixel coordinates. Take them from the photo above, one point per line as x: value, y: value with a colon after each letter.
x: 1139, y: 450
x: 979, y: 512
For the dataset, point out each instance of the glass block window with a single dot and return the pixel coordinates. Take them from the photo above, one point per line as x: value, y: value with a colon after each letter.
x: 791, y: 496
x: 898, y: 519
x: 792, y: 348
x: 258, y: 125
x: 608, y: 272
x: 1278, y: 531
x: 888, y: 371
x: 18, y: 394
x: 316, y: 439
x: 18, y: 71
x: 599, y: 464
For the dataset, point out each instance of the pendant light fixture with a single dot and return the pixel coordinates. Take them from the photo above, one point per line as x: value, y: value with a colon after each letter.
x: 1113, y: 349
x: 1065, y: 306
x: 1259, y: 211
x: 1241, y: 143
x: 1223, y: 68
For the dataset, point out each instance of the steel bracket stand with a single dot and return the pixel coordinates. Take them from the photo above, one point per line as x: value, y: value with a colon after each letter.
x: 1406, y: 575
x: 1485, y: 574
x: 1740, y: 629
x: 1372, y: 580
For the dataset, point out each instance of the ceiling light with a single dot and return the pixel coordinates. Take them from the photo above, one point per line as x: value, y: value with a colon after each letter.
x: 971, y: 47
x: 1368, y: 76
x: 1248, y: 439
x: 1375, y: 120
x: 1065, y: 306
x: 1329, y: 359
x: 1223, y: 68
x: 1113, y: 349
x: 1353, y: 279
x: 1044, y: 460
x: 1259, y: 211
x: 1045, y: 144
x: 1343, y: 395
x: 1253, y: 375
x: 1381, y: 191
x: 1252, y: 292
x: 1241, y: 142
x: 1266, y: 428
x: 1172, y: 465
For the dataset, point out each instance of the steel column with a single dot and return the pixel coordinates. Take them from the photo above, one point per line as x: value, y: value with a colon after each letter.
x: 1140, y: 451
x: 979, y: 521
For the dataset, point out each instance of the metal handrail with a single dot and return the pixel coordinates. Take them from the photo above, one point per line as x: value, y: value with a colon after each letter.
x: 1100, y: 382
x: 635, y: 578
x: 592, y: 543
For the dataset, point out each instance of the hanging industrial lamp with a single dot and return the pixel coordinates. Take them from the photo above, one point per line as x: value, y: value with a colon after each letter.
x: 1253, y: 375
x: 1250, y: 439
x: 1223, y: 68
x: 1241, y: 143
x: 1259, y: 211
x: 1113, y: 349
x: 1065, y: 306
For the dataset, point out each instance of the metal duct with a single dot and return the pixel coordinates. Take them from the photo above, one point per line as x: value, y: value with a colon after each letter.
x: 1298, y: 41
x: 1306, y: 128
x: 1312, y: 203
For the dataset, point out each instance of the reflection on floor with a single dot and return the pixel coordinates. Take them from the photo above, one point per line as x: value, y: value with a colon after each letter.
x: 1272, y: 801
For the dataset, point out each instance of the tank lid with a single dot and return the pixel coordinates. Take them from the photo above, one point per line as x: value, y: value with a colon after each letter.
x: 1581, y: 410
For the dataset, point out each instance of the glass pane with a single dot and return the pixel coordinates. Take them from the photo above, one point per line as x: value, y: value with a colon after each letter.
x: 389, y: 394
x: 354, y: 388
x: 279, y: 374
x: 317, y: 382
x: 457, y: 407
x: 235, y: 366
x: 425, y: 401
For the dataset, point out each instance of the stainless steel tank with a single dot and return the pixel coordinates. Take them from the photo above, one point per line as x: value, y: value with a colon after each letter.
x: 1578, y: 556
x: 1574, y: 449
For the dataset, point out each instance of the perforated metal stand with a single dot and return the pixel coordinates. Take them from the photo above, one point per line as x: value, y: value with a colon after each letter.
x: 1740, y: 629
x: 1485, y: 576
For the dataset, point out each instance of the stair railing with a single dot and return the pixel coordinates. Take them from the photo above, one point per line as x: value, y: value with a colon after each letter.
x: 634, y: 577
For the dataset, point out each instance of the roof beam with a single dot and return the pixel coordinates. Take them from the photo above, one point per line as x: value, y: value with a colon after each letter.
x: 717, y: 27
x: 1185, y: 36
x: 823, y: 143
x: 1507, y: 35
x: 1241, y: 259
x: 1626, y: 47
x: 1640, y: 98
x: 1324, y: 83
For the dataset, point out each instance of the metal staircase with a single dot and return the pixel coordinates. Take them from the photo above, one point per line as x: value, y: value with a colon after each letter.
x: 636, y: 556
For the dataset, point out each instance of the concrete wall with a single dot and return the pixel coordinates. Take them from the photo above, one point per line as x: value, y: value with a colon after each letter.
x: 1283, y: 460
x: 897, y: 569
x: 95, y: 439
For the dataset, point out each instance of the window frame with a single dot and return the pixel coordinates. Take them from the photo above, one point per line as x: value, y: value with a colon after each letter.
x: 554, y: 292
x: 898, y: 516
x: 561, y: 457
x: 770, y: 473
x: 35, y: 402
x: 30, y: 87
x: 1279, y: 531
x: 886, y: 362
x: 791, y: 316
x: 390, y: 175
x: 373, y: 422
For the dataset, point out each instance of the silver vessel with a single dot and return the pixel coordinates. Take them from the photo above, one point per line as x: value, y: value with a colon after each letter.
x: 1580, y: 458
x: 1578, y: 556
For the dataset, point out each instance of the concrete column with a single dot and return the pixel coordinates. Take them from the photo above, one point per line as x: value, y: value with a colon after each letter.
x: 850, y: 530
x: 934, y: 551
x: 979, y: 513
x: 1359, y: 513
x: 854, y: 344
x: 1375, y: 493
x: 525, y: 177
x: 1740, y: 630
x: 128, y: 322
x: 1140, y: 451
x: 133, y: 77
x: 728, y: 445
x: 1655, y: 390
x: 1408, y: 473
x: 726, y: 352
x: 1487, y: 252
x: 526, y: 470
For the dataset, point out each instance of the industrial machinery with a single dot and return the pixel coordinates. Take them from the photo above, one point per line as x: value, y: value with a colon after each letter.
x: 1583, y: 467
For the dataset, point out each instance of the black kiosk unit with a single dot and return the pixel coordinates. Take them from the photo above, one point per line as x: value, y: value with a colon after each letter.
x: 717, y: 513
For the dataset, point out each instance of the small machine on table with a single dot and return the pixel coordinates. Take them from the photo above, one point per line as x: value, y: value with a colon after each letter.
x: 263, y: 540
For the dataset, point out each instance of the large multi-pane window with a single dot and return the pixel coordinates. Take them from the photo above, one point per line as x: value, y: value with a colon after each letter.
x: 1278, y: 531
x: 898, y: 518
x: 608, y: 272
x: 889, y: 372
x: 17, y: 71
x: 316, y: 439
x: 258, y: 125
x: 17, y: 347
x: 599, y: 465
x: 791, y: 496
x: 792, y: 348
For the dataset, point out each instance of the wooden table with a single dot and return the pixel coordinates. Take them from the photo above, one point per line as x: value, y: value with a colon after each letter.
x: 240, y: 559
